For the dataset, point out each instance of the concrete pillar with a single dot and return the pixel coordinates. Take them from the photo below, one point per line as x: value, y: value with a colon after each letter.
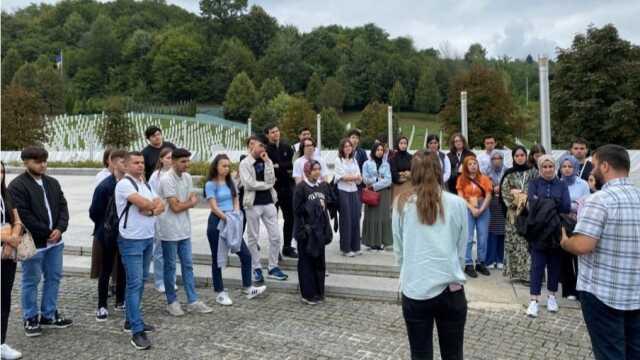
x: 545, y: 111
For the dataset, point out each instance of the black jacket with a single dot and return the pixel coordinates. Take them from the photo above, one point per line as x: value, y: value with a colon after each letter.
x: 543, y: 224
x: 401, y: 161
x: 29, y: 201
x: 455, y: 164
x: 282, y: 154
x: 98, y: 208
x: 311, y: 226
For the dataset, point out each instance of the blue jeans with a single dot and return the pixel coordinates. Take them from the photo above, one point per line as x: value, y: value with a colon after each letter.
x: 615, y: 334
x: 495, y: 249
x: 213, y: 235
x: 481, y: 226
x: 134, y: 254
x: 45, y: 264
x: 181, y: 249
x: 158, y: 267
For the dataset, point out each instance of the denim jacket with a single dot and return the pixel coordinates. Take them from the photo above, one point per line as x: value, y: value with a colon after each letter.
x: 378, y: 178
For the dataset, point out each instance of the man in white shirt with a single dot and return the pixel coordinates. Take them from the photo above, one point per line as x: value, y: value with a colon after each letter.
x: 484, y: 159
x: 304, y: 133
x: 174, y: 232
x: 137, y: 205
x: 309, y: 150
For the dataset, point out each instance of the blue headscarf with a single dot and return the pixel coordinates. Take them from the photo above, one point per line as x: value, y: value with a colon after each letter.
x: 494, y: 173
x: 570, y: 180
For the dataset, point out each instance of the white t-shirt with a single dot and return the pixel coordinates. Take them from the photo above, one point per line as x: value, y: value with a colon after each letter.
x: 298, y: 167
x: 46, y: 204
x: 174, y: 226
x: 345, y: 167
x: 139, y: 226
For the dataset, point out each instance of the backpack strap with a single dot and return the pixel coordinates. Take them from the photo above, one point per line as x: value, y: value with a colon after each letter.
x: 125, y: 212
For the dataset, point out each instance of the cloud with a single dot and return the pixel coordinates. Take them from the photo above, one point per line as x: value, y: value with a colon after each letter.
x: 519, y: 40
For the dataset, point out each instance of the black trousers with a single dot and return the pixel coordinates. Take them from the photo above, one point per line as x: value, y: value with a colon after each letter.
x: 285, y: 203
x: 8, y: 275
x: 449, y: 310
x: 111, y: 258
x: 311, y: 273
x: 568, y: 274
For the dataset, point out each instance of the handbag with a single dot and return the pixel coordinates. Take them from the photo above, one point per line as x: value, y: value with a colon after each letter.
x: 370, y: 197
x: 27, y: 248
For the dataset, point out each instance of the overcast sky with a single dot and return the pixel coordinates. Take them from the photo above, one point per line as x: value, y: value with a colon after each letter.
x: 514, y: 28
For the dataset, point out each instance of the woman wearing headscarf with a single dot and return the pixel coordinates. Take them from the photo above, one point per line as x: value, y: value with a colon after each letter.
x: 400, y: 162
x: 545, y: 249
x: 312, y: 231
x: 578, y: 190
x: 495, y: 242
x: 513, y: 189
x: 376, y: 175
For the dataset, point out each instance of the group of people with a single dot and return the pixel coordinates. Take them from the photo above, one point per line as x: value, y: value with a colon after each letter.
x: 429, y: 207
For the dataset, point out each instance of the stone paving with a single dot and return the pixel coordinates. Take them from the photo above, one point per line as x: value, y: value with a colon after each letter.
x: 278, y: 326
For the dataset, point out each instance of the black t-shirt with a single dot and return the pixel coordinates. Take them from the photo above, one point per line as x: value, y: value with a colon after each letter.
x: 263, y: 197
x: 151, y: 155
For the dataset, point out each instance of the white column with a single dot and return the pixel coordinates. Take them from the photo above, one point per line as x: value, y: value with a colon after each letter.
x: 319, y: 133
x: 249, y: 127
x: 390, y: 125
x: 545, y: 112
x: 464, y: 128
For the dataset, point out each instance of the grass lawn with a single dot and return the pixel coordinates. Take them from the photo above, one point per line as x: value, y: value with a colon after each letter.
x: 421, y: 121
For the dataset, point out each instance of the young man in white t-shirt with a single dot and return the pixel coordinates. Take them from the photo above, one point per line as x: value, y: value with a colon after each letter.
x: 308, y: 153
x: 137, y: 205
x: 174, y: 232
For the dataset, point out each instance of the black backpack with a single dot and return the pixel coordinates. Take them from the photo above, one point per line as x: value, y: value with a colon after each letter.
x: 111, y: 218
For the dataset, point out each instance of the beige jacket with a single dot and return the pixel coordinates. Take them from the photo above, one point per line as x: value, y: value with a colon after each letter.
x: 251, y: 185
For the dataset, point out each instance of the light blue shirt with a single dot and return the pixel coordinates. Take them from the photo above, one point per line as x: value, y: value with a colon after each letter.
x: 430, y: 256
x: 379, y: 178
x: 578, y: 190
x: 221, y: 193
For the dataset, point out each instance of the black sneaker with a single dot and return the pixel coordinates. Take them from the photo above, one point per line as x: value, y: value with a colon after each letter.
x: 482, y: 269
x: 58, y: 322
x: 147, y: 328
x: 32, y: 327
x: 469, y: 270
x: 290, y: 253
x: 140, y: 341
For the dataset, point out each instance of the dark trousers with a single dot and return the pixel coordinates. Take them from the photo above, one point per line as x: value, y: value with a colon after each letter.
x: 449, y: 310
x: 8, y: 275
x: 110, y: 260
x: 615, y: 334
x: 495, y: 249
x: 541, y: 259
x: 311, y: 273
x: 349, y: 220
x: 213, y: 235
x: 285, y: 203
x: 568, y: 273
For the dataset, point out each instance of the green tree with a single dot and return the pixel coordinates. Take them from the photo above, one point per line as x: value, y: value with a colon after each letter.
x: 116, y: 130
x: 314, y: 87
x: 222, y: 10
x: 596, y: 90
x: 177, y: 66
x: 427, y: 97
x: 241, y: 98
x: 233, y: 58
x: 270, y: 89
x: 22, y: 120
x: 398, y: 96
x: 332, y: 128
x: 373, y: 122
x: 44, y: 81
x: 332, y: 95
x: 101, y: 45
x: 283, y: 59
x: 490, y: 109
x: 475, y: 53
x: 257, y: 29
x: 10, y: 65
x: 299, y: 114
x: 74, y: 27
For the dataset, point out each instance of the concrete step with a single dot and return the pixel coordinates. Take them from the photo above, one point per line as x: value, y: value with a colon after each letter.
x: 336, y: 285
x: 335, y: 264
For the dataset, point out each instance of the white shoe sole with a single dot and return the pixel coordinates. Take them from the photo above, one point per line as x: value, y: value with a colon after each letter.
x: 101, y: 320
x: 33, y: 335
x: 139, y: 347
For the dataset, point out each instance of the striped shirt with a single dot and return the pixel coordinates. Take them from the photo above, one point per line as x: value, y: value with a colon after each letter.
x: 611, y: 272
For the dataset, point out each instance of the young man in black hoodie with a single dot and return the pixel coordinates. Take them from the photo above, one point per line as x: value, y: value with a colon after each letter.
x: 151, y: 152
x: 282, y: 156
x: 43, y: 210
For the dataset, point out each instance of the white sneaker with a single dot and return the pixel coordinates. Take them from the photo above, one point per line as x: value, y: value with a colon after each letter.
x: 224, y: 299
x: 254, y: 291
x: 199, y: 307
x: 102, y: 314
x: 351, y: 254
x: 532, y: 310
x: 9, y: 353
x: 160, y: 289
x: 358, y: 253
x: 500, y: 266
x: 572, y: 297
x: 552, y: 304
x: 175, y: 309
x: 492, y: 266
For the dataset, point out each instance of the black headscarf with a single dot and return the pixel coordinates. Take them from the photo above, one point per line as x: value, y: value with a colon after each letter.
x: 517, y: 167
x: 373, y: 156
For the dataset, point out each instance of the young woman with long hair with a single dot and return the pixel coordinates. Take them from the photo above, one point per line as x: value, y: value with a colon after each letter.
x: 348, y: 177
x: 430, y: 235
x: 376, y: 175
